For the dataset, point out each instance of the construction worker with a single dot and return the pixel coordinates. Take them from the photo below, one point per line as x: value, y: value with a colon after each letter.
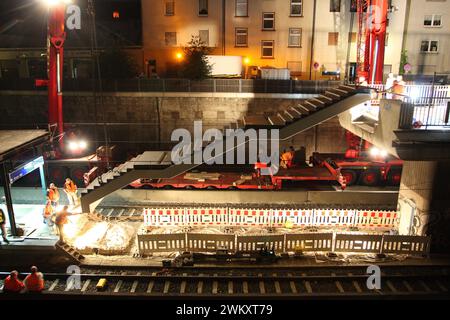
x: 53, y: 195
x: 286, y: 159
x: 48, y: 213
x: 34, y: 282
x: 70, y: 188
x: 12, y: 284
x: 61, y: 220
x: 3, y: 225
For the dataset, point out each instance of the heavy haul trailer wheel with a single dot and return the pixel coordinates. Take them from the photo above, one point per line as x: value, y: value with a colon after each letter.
x: 394, y: 177
x: 370, y: 178
x: 351, y: 176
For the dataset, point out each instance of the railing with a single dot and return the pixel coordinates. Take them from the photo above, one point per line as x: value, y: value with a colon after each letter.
x: 181, y: 85
x: 304, y: 242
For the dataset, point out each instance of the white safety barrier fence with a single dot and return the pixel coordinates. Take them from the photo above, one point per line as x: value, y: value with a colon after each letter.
x: 406, y: 244
x: 257, y: 243
x: 358, y: 243
x: 270, y: 217
x: 307, y: 242
x: 197, y: 242
x: 149, y: 243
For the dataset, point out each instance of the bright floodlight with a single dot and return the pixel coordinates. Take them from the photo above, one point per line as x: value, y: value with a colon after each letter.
x: 383, y: 153
x: 374, y: 152
x: 73, y: 145
x: 82, y: 144
x: 51, y: 3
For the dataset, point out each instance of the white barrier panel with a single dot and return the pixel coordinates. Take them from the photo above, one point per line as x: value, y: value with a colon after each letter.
x: 358, y: 243
x: 292, y: 218
x: 406, y: 244
x: 265, y: 218
x: 149, y: 243
x: 375, y: 219
x: 249, y: 217
x: 164, y: 217
x: 207, y: 216
x: 338, y: 218
x: 197, y: 242
x: 309, y: 242
x: 257, y: 243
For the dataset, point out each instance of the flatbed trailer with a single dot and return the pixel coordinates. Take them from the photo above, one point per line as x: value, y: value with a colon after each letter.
x: 362, y: 170
x: 232, y: 180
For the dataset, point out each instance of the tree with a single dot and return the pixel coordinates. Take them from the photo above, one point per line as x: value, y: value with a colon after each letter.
x: 403, y: 62
x: 117, y: 64
x: 196, y: 66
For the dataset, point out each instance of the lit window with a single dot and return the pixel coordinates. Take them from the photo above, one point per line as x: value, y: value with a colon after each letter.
x: 241, y: 8
x: 170, y: 8
x: 296, y: 8
x: 268, y: 21
x: 429, y: 46
x: 295, y: 37
x: 434, y: 20
x: 204, y: 36
x: 171, y: 38
x: 202, y: 7
x: 116, y: 15
x: 267, y: 48
x: 333, y: 38
x: 241, y: 37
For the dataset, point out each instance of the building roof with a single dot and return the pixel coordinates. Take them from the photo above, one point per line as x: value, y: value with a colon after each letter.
x: 15, y: 140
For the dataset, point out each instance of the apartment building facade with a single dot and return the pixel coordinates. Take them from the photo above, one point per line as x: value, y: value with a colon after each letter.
x: 294, y: 34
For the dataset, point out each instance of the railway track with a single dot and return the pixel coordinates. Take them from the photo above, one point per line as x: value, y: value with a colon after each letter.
x: 429, y: 282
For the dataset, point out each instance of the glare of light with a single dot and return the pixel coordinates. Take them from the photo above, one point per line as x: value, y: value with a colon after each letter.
x: 247, y: 60
x: 91, y: 237
x: 73, y: 145
x: 415, y: 93
x: 82, y: 144
x: 374, y: 152
x: 378, y: 153
x: 71, y: 229
x: 179, y: 55
x: 52, y: 3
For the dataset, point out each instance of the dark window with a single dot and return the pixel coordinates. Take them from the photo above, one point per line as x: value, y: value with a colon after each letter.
x: 241, y: 37
x: 267, y: 48
x: 268, y: 21
x: 335, y: 5
x: 241, y: 8
x: 202, y: 7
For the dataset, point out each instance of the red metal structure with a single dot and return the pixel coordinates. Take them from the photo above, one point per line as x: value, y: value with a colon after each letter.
x: 372, y: 23
x: 56, y: 37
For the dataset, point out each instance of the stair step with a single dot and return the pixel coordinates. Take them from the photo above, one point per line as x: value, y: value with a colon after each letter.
x: 334, y: 95
x: 285, y: 117
x: 290, y: 115
x: 346, y: 87
x: 323, y: 100
x: 313, y: 106
x: 255, y: 121
x: 276, y: 121
x: 294, y: 113
x: 301, y: 110
x: 339, y: 92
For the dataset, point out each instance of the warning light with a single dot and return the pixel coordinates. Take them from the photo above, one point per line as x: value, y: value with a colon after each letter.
x: 116, y: 15
x: 247, y: 60
x: 179, y: 56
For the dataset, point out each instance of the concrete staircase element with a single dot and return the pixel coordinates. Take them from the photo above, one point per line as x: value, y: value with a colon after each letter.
x: 157, y: 164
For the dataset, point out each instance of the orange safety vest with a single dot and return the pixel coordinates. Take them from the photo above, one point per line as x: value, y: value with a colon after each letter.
x: 48, y: 210
x: 53, y: 194
x: 70, y: 186
x: 13, y: 285
x: 34, y: 282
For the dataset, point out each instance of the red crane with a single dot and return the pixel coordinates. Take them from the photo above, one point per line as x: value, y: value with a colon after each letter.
x: 372, y: 23
x: 56, y: 37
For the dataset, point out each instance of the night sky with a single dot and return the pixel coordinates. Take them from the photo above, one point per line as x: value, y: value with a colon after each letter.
x: 23, y: 24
